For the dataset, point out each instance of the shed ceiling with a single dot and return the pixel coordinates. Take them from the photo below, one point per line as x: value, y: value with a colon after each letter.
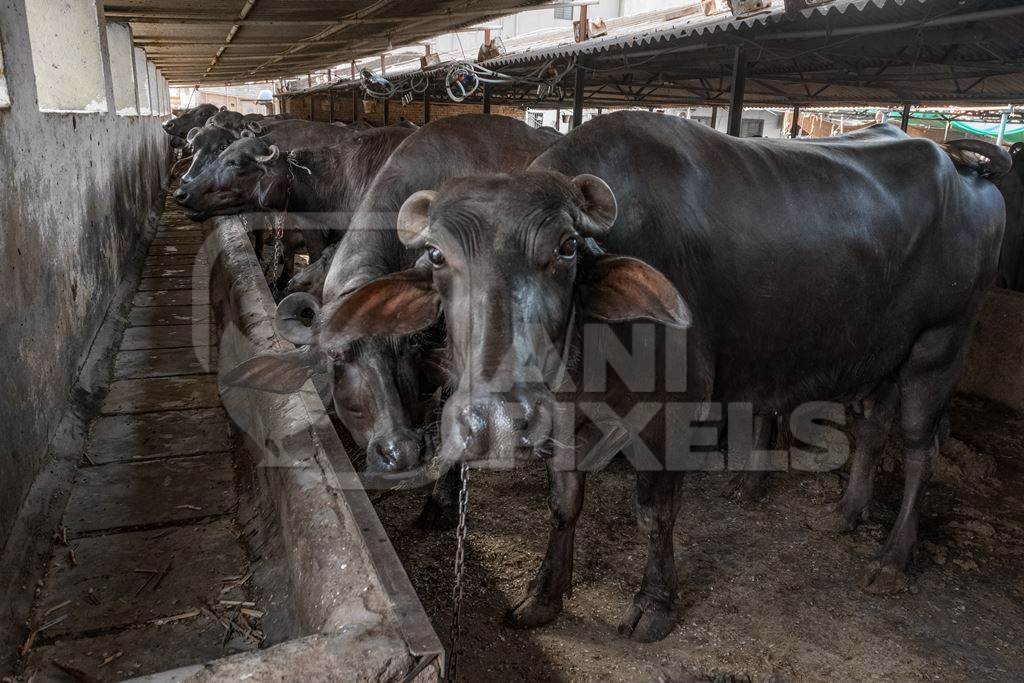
x: 233, y: 41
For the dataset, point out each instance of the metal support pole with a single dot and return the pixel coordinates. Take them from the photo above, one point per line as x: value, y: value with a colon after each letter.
x: 794, y: 126
x: 558, y: 119
x: 1002, y: 125
x: 426, y: 107
x: 357, y: 113
x: 487, y: 98
x: 387, y: 111
x: 905, y: 121
x: 714, y: 117
x: 739, y: 86
x: 330, y: 93
x: 577, y: 97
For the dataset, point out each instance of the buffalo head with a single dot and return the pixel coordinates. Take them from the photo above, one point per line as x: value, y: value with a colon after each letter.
x: 507, y: 259
x: 248, y: 175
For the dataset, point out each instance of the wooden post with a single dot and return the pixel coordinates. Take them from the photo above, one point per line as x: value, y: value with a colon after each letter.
x: 558, y: 119
x: 487, y: 98
x: 584, y: 24
x: 426, y: 107
x: 330, y: 92
x: 905, y: 121
x: 714, y: 117
x: 794, y: 127
x: 577, y: 96
x: 739, y: 83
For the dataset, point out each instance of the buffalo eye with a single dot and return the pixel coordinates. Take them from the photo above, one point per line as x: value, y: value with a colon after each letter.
x: 435, y: 256
x: 568, y: 248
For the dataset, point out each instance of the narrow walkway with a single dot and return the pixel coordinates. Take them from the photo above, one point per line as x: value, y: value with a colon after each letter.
x: 149, y: 570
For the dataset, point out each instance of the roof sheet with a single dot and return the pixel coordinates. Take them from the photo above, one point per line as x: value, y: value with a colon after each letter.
x: 844, y: 51
x: 233, y: 41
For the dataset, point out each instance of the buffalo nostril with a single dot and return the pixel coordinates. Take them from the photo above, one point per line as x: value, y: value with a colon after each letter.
x: 180, y: 196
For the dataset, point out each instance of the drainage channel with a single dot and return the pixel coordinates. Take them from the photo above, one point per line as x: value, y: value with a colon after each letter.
x: 214, y: 534
x: 149, y: 569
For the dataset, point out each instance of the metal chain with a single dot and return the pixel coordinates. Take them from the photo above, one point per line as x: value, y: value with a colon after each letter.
x: 460, y: 565
x: 270, y: 269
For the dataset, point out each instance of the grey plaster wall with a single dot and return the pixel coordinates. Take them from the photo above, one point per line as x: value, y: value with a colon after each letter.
x: 76, y: 192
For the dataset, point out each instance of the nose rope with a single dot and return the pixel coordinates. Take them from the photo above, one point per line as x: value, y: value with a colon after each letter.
x: 292, y: 161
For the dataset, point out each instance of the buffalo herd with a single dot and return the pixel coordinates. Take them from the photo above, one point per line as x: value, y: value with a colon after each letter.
x: 477, y: 286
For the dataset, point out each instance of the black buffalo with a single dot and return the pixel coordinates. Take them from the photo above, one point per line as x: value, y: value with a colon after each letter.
x: 378, y: 382
x: 847, y: 270
x: 180, y: 125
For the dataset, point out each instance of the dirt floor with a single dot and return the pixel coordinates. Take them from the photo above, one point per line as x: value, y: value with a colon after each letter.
x: 763, y: 598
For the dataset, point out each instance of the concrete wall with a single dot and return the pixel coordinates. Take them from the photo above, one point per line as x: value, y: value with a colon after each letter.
x: 142, y: 81
x: 77, y: 192
x: 122, y: 68
x: 65, y: 39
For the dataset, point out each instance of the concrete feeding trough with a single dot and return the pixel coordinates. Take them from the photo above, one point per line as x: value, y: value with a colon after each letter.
x: 339, y: 605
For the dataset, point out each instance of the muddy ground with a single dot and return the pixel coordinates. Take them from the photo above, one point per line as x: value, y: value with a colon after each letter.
x: 763, y: 598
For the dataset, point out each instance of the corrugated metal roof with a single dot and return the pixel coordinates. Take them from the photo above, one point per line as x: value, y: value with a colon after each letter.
x: 233, y: 41
x: 846, y: 51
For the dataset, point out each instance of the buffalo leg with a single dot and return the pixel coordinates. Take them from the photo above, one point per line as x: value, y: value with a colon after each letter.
x: 441, y: 510
x: 751, y: 485
x: 926, y: 385
x: 649, y: 617
x: 870, y: 433
x: 543, y: 599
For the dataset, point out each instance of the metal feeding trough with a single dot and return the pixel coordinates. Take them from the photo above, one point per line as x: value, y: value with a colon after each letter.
x: 339, y: 604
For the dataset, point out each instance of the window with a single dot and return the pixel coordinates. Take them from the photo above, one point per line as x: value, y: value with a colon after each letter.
x: 751, y: 128
x: 564, y: 11
x: 536, y: 119
x: 66, y: 55
x: 122, y: 71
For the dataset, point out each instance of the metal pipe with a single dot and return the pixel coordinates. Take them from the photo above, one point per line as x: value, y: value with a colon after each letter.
x: 577, y: 97
x: 794, y: 126
x: 1002, y: 125
x: 905, y: 121
x: 739, y: 84
x: 426, y: 107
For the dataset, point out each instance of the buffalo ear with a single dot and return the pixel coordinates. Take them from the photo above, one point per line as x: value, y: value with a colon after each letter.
x: 278, y: 373
x: 620, y: 288
x: 414, y: 218
x: 396, y: 304
x: 223, y: 108
x: 598, y: 208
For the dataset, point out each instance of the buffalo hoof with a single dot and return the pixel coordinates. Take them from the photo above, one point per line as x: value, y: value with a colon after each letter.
x: 437, y: 517
x: 746, y: 487
x: 533, y: 611
x: 832, y: 519
x: 646, y: 621
x: 884, y: 579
